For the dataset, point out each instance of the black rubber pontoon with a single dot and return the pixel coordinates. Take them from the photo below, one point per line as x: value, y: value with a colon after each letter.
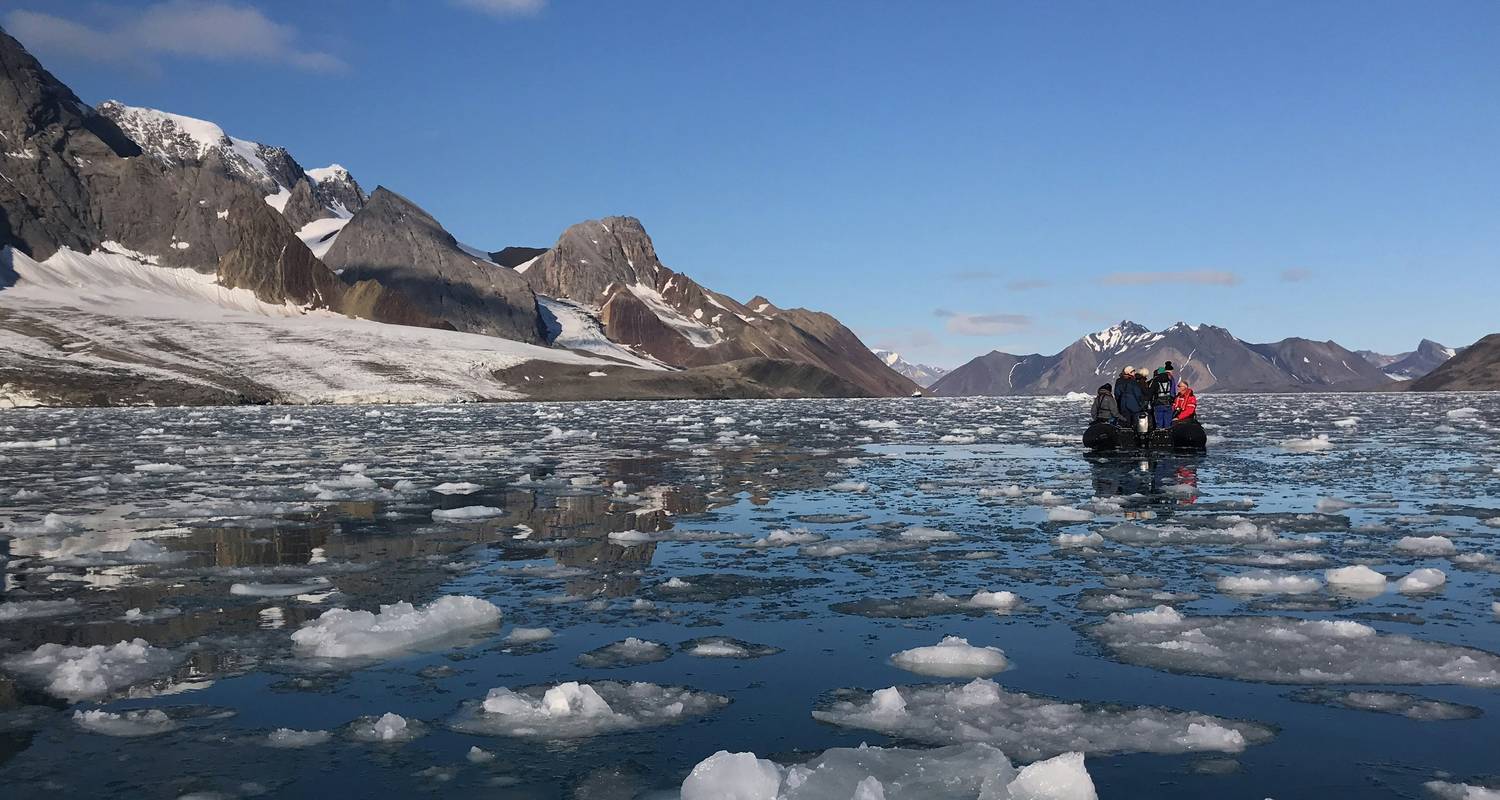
x: 1186, y: 435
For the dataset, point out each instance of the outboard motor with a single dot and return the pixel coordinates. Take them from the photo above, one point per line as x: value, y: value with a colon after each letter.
x: 1143, y: 425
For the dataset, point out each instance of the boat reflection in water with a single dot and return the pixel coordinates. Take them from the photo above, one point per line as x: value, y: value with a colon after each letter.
x: 1154, y: 482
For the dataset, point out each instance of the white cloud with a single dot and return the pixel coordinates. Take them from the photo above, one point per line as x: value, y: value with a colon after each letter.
x: 963, y: 324
x: 212, y: 30
x: 502, y: 8
x: 1202, y: 277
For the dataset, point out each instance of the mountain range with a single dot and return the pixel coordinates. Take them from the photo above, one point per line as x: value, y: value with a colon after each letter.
x: 921, y: 374
x: 153, y: 257
x: 1208, y: 357
x: 150, y: 257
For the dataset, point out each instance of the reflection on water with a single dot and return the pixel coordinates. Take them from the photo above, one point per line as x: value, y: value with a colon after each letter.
x: 655, y: 521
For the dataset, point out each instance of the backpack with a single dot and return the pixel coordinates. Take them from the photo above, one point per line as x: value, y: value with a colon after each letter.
x: 1161, y: 390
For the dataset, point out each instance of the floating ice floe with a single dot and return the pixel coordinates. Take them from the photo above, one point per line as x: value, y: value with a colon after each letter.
x: 1069, y: 540
x: 851, y: 486
x: 37, y: 609
x: 341, y: 633
x: 456, y: 488
x: 466, y: 513
x: 1426, y: 545
x: 1445, y: 790
x: 316, y: 584
x: 1268, y: 583
x: 289, y: 738
x: 575, y: 710
x: 1031, y: 726
x: 528, y: 635
x: 1426, y: 579
x: 953, y: 657
x: 83, y: 673
x: 160, y: 468
x: 725, y: 647
x: 781, y: 538
x: 932, y: 605
x: 1068, y: 514
x: 1358, y: 577
x: 129, y: 724
x: 1240, y: 532
x: 624, y: 653
x: 835, y: 548
x: 1282, y: 650
x: 1012, y: 490
x: 958, y: 772
x: 388, y: 728
x: 1314, y: 444
x: 1406, y: 705
x: 920, y: 534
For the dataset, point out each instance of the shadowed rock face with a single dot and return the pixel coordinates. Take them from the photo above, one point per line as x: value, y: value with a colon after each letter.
x: 263, y: 261
x: 1476, y: 368
x: 393, y: 241
x: 611, y: 265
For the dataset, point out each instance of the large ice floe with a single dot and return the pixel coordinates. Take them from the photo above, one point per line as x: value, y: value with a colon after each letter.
x: 953, y: 657
x: 576, y: 710
x: 958, y: 772
x: 1031, y: 726
x: 126, y: 724
x: 83, y: 673
x: 1283, y: 650
x: 624, y: 653
x: 399, y: 627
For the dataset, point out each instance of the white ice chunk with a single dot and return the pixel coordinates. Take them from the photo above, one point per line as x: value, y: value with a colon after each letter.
x: 953, y: 657
x: 1282, y: 650
x: 389, y: 728
x: 149, y: 722
x: 341, y: 633
x: 81, y: 673
x: 1421, y: 580
x: 1426, y: 545
x: 528, y: 635
x: 575, y: 710
x: 1032, y: 726
x: 457, y: 488
x: 1357, y: 576
x: 289, y: 738
x: 1268, y: 583
x: 466, y: 514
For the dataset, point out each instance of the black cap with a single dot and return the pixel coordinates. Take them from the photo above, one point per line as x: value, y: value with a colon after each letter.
x: 1169, y: 365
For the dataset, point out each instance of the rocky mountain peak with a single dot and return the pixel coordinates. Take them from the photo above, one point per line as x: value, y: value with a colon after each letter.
x: 337, y: 189
x: 1116, y: 336
x: 591, y: 256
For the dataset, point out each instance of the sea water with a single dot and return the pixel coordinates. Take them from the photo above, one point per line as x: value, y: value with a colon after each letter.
x: 589, y: 600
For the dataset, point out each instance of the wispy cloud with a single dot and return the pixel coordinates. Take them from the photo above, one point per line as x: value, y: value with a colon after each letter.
x: 210, y: 30
x: 502, y: 8
x: 1027, y: 284
x: 964, y: 324
x: 1200, y: 277
x: 1296, y: 275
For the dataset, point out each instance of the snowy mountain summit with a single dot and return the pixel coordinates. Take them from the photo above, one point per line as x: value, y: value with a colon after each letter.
x: 921, y: 374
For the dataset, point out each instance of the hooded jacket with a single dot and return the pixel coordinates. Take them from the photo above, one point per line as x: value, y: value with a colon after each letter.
x: 1185, y: 406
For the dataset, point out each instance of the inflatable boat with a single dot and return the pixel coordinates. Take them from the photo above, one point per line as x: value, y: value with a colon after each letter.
x: 1185, y: 435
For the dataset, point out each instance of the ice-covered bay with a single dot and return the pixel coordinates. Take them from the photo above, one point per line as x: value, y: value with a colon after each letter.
x: 652, y: 599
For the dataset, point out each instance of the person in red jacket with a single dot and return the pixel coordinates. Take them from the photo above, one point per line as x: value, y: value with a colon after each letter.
x: 1186, y: 404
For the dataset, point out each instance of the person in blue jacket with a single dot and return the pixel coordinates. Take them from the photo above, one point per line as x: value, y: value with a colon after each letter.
x: 1128, y: 395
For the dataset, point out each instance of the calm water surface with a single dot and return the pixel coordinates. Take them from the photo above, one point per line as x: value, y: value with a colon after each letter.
x: 340, y: 499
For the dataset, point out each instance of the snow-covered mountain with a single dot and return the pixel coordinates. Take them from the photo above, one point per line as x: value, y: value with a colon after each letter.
x: 1428, y: 356
x: 175, y: 140
x: 1207, y: 356
x: 150, y: 257
x: 920, y: 374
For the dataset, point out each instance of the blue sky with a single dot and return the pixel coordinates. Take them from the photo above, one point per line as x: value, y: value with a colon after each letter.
x: 946, y: 178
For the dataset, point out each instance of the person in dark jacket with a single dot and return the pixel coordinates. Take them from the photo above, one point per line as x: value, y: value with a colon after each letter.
x: 1105, y: 408
x: 1128, y: 395
x: 1161, y: 393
